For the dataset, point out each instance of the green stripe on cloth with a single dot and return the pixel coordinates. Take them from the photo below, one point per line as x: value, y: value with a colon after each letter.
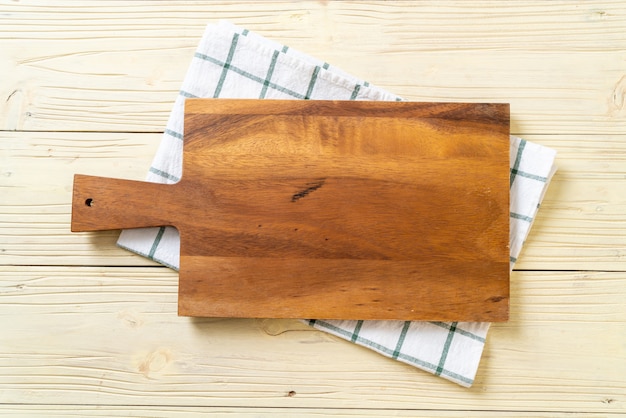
x: 163, y: 174
x: 518, y: 159
x: 309, y: 90
x: 187, y: 94
x: 173, y: 267
x: 401, y: 338
x: 229, y: 58
x: 519, y: 216
x: 174, y: 134
x: 331, y: 327
x: 156, y: 242
x: 446, y: 348
x: 209, y: 59
x: 357, y: 328
x: 457, y: 377
x: 528, y: 175
x: 268, y: 76
x: 355, y: 92
x: 418, y: 362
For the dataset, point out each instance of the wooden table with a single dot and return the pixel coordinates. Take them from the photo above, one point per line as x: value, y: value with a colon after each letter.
x: 89, y: 329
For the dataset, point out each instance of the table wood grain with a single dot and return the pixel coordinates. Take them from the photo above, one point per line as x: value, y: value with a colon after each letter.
x: 90, y: 329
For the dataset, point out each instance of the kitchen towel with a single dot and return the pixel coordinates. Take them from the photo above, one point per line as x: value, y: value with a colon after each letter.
x: 231, y: 62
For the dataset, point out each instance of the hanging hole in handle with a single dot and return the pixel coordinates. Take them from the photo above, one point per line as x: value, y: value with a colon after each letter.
x: 89, y: 202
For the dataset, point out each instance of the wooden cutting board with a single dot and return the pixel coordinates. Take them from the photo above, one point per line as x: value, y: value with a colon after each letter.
x: 330, y: 209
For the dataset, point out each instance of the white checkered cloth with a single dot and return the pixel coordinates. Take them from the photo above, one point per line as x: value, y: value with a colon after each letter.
x: 232, y: 62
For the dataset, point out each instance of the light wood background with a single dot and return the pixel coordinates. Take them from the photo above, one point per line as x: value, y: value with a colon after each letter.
x: 89, y: 329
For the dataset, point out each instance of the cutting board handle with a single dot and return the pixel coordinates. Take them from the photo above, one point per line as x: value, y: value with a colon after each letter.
x: 101, y: 203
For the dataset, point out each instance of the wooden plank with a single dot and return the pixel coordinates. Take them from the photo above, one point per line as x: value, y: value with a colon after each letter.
x: 23, y: 411
x: 352, y: 210
x: 110, y: 336
x: 119, y: 67
x: 581, y: 224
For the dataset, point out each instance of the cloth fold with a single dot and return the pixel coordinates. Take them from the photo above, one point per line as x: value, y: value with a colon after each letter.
x: 232, y: 62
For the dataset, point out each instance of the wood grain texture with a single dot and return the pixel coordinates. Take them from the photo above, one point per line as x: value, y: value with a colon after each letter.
x: 349, y: 210
x: 102, y: 340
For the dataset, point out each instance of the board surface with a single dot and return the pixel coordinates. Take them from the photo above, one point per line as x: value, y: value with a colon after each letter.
x: 334, y: 210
